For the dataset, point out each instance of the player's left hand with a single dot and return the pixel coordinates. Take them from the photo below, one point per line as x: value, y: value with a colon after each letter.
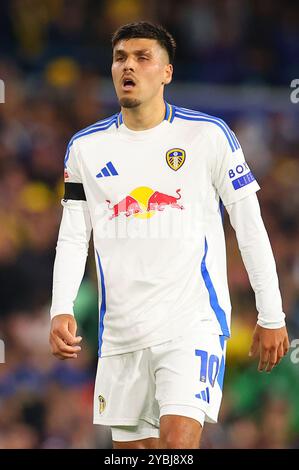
x: 271, y: 344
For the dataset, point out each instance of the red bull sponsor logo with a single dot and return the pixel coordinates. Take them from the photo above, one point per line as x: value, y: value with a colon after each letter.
x: 158, y: 201
x: 144, y: 202
x: 128, y: 205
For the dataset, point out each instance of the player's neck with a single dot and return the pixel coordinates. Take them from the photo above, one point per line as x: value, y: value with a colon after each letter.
x: 144, y: 116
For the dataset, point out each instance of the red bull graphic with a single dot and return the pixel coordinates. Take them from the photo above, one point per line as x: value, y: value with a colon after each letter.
x: 143, y: 202
x: 158, y: 201
x: 128, y: 205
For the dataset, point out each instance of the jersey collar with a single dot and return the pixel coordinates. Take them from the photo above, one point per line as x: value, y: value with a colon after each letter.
x: 169, y: 115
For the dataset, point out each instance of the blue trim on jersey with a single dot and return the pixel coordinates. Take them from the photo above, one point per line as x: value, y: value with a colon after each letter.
x: 231, y: 133
x: 219, y: 312
x: 221, y: 209
x: 222, y: 340
x: 204, y: 119
x: 167, y: 111
x: 235, y: 139
x: 169, y: 114
x: 103, y: 306
x: 190, y: 115
x: 119, y: 119
x: 97, y: 127
x: 172, y: 116
x: 220, y: 377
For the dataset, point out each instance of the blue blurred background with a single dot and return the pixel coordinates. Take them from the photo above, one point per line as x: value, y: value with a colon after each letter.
x: 235, y: 59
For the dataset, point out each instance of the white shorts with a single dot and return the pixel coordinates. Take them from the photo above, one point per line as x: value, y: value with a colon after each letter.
x: 182, y: 377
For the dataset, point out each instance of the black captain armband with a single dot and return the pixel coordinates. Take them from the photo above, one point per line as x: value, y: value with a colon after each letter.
x: 74, y: 191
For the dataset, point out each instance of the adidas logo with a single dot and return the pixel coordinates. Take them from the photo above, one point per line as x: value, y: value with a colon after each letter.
x: 204, y: 395
x: 108, y: 170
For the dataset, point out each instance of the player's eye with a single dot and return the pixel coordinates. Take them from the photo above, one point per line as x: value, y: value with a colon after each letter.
x: 143, y: 58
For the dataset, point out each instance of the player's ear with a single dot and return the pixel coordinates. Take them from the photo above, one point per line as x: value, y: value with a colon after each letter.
x: 168, y: 74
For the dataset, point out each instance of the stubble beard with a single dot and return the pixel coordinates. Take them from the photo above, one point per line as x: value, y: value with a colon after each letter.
x: 129, y: 102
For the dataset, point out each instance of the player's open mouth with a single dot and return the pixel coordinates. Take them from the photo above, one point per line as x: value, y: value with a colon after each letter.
x: 128, y: 84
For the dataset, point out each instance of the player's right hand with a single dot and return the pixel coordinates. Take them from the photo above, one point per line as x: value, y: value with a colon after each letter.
x: 63, y: 340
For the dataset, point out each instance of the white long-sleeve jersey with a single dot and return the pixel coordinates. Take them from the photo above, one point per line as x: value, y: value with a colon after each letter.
x: 154, y: 201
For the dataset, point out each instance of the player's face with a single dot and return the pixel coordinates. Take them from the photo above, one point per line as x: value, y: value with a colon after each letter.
x: 140, y: 68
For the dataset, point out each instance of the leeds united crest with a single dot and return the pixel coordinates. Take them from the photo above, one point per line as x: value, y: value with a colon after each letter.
x: 175, y: 158
x: 102, y: 404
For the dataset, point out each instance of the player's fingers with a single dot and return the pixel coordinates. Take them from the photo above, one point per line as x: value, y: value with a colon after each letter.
x: 272, y: 359
x: 254, y: 346
x: 63, y: 356
x: 60, y: 354
x: 67, y: 337
x: 65, y: 348
x: 72, y: 326
x: 286, y: 345
x: 264, y: 358
x: 280, y: 353
x: 56, y: 339
x: 60, y: 347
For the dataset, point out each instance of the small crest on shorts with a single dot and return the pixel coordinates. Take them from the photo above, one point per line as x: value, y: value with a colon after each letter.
x: 175, y: 158
x: 102, y: 404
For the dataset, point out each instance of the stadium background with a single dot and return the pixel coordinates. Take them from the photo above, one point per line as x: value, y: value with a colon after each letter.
x: 235, y: 59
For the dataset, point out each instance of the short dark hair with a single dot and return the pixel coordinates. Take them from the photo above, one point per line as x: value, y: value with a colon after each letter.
x: 144, y: 29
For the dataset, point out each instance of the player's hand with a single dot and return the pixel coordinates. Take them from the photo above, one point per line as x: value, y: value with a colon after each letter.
x: 271, y: 345
x: 63, y: 340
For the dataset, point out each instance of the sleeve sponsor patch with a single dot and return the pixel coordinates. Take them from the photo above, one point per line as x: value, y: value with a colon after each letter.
x: 243, y: 180
x: 239, y: 179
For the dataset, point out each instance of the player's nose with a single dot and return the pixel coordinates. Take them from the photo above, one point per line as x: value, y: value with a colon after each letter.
x: 129, y: 64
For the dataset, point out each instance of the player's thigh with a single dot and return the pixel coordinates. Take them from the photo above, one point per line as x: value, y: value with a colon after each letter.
x: 179, y: 432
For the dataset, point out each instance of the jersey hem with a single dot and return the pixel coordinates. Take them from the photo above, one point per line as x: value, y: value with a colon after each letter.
x: 133, y: 348
x: 137, y: 347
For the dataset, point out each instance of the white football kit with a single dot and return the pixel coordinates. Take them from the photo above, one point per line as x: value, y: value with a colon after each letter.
x: 154, y: 201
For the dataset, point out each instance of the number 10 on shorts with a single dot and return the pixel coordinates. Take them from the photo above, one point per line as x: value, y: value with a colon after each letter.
x: 209, y: 366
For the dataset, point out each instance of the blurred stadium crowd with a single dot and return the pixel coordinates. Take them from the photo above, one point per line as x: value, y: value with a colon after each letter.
x: 53, y: 55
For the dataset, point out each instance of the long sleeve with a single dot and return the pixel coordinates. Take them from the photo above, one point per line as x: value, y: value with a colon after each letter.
x: 255, y: 248
x: 71, y: 254
x: 73, y: 237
